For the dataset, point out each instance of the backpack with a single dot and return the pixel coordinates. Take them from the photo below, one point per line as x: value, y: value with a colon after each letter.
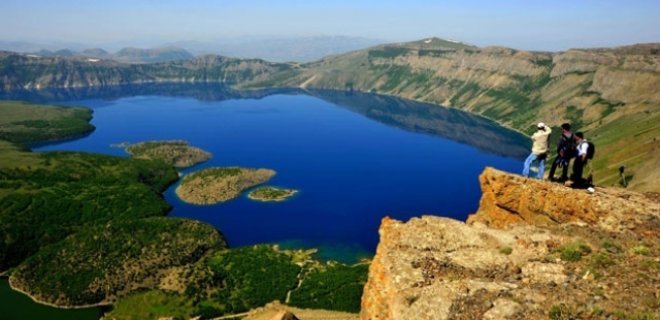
x: 591, y: 150
x: 568, y: 145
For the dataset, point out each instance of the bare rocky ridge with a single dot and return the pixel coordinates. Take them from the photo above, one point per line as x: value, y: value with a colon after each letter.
x: 533, y: 250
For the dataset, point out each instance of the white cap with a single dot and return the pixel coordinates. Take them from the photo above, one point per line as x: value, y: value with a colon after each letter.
x: 540, y: 125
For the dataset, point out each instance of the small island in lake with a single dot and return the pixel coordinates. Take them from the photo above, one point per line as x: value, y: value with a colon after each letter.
x: 220, y: 184
x: 177, y: 153
x: 268, y: 194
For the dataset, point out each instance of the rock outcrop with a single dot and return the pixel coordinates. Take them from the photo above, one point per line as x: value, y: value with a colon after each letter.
x: 278, y: 311
x: 509, y: 199
x: 533, y: 250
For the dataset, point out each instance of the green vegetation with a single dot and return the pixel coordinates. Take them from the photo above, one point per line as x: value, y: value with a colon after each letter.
x: 16, y: 305
x: 63, y: 192
x: 219, y: 184
x: 176, y: 153
x: 641, y: 250
x: 561, y: 312
x: 231, y: 281
x: 388, y: 52
x: 271, y: 194
x: 27, y: 123
x: 75, y: 227
x: 239, y: 279
x: 152, y: 304
x: 573, y: 252
x: 95, y: 263
x: 506, y: 250
x: 335, y: 286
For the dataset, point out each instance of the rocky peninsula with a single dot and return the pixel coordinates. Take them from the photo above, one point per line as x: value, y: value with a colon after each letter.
x: 177, y: 153
x: 220, y: 184
x: 271, y: 194
x: 534, y: 250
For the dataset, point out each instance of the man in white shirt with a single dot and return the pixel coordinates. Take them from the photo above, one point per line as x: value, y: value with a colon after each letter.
x: 539, y: 150
x: 580, y: 159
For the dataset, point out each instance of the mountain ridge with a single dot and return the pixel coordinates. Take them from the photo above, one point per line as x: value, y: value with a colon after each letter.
x: 609, y: 93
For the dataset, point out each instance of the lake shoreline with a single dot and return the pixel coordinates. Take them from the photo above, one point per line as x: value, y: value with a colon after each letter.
x: 68, y: 307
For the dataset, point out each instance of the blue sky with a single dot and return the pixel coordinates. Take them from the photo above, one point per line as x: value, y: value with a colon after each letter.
x: 532, y: 25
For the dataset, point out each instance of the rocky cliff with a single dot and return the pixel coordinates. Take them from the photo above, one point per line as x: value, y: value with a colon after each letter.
x: 533, y: 250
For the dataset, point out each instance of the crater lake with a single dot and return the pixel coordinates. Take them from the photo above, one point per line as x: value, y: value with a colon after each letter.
x: 354, y: 157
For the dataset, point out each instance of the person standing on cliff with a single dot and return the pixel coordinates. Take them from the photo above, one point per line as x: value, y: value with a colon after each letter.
x: 539, y: 150
x: 565, y: 151
x: 580, y: 161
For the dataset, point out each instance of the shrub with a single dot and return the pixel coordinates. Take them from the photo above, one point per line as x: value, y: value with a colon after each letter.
x: 506, y: 250
x: 574, y: 252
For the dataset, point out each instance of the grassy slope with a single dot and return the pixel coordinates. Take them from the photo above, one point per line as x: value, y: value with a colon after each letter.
x: 518, y: 89
x: 23, y: 122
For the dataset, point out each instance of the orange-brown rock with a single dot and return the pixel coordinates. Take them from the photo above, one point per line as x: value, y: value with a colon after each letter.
x: 556, y: 251
x: 509, y: 199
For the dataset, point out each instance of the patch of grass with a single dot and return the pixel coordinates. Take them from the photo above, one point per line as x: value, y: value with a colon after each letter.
x: 506, y: 250
x: 601, y: 260
x: 334, y: 287
x: 152, y: 304
x: 612, y: 247
x: 560, y: 312
x: 641, y: 250
x: 597, y: 311
x: 651, y: 264
x: 573, y: 252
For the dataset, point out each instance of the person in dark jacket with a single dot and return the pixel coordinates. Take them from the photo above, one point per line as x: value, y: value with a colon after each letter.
x: 565, y: 151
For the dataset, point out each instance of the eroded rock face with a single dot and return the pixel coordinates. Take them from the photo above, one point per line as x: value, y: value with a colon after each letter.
x: 554, y: 249
x: 509, y: 199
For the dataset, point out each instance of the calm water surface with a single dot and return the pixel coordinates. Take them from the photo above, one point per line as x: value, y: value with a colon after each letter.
x: 355, y: 158
x: 16, y: 306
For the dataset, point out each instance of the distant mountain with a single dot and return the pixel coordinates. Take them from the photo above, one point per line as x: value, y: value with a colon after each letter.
x: 610, y: 94
x: 58, y: 53
x: 95, y: 53
x: 137, y: 55
x: 30, y: 47
x: 127, y: 55
x: 280, y: 49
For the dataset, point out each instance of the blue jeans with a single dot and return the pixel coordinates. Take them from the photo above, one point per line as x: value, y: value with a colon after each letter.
x: 528, y: 162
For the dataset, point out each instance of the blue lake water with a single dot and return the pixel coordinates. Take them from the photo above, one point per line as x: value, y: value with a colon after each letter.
x: 355, y: 158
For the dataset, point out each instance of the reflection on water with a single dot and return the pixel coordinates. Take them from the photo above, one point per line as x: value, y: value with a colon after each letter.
x: 15, y: 305
x: 479, y: 132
